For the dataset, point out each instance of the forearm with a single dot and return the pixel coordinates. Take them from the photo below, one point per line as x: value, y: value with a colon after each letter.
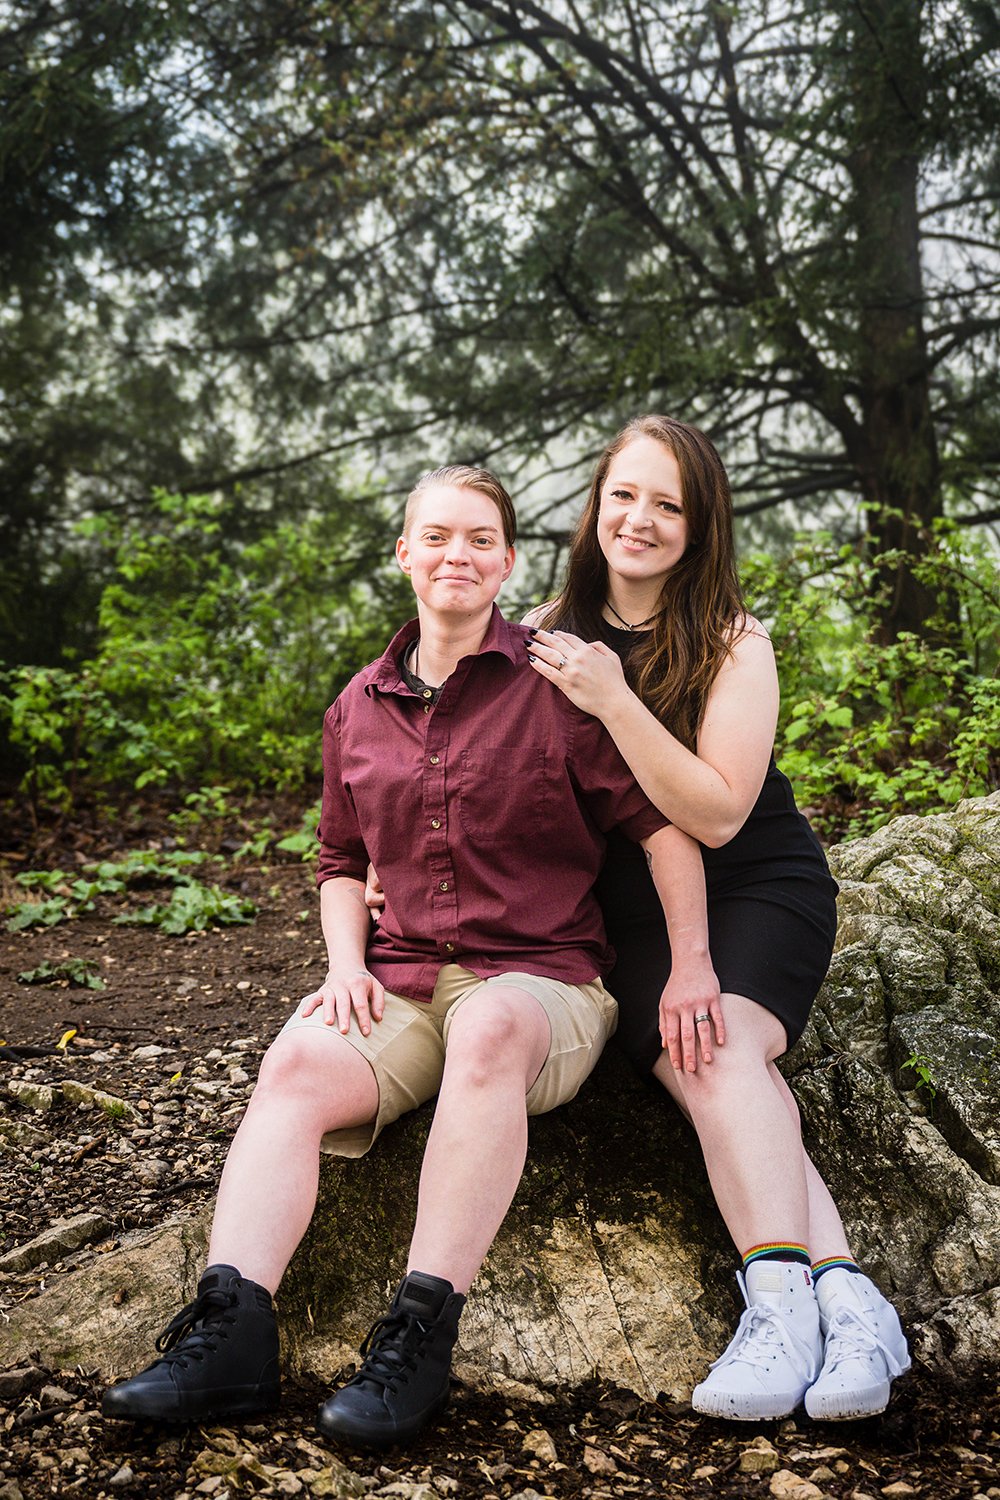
x: 690, y: 1006
x: 676, y: 866
x: 345, y: 919
x: 692, y: 794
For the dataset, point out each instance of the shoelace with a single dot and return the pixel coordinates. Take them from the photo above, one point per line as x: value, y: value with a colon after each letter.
x: 196, y: 1328
x: 850, y: 1336
x: 760, y: 1326
x: 390, y: 1349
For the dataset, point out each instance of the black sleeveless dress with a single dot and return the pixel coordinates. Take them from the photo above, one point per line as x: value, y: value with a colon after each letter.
x: 772, y: 915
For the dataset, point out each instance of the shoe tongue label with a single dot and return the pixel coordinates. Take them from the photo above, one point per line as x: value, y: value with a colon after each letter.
x: 768, y: 1281
x: 421, y: 1295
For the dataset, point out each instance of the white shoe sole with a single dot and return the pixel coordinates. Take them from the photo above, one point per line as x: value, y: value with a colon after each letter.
x: 848, y: 1406
x: 742, y: 1407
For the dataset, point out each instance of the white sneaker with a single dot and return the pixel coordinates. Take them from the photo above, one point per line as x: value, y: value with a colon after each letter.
x: 865, y: 1349
x: 776, y: 1352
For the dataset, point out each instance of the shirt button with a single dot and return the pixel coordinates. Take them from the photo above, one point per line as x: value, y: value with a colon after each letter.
x: 435, y: 822
x: 428, y: 692
x: 449, y: 947
x: 435, y: 759
x: 427, y: 708
x: 443, y: 886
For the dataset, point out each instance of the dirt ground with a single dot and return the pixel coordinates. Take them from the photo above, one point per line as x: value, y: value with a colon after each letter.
x: 177, y: 1034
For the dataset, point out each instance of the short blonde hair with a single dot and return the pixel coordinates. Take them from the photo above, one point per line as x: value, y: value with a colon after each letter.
x: 468, y: 477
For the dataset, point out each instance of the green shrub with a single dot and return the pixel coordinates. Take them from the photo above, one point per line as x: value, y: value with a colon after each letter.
x: 869, y: 728
x: 217, y: 656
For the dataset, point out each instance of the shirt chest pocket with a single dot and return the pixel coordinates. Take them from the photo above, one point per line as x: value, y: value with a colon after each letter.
x: 508, y: 793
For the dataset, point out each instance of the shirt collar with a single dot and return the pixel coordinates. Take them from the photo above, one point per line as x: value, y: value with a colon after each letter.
x: 501, y: 638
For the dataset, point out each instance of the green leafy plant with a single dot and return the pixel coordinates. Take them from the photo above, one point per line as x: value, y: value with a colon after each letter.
x: 26, y: 914
x: 65, y: 723
x: 921, y: 1066
x: 255, y: 848
x: 192, y: 908
x: 871, y: 728
x: 303, y: 841
x: 208, y: 804
x: 218, y: 654
x: 71, y: 896
x: 43, y: 880
x: 68, y: 895
x: 75, y: 971
x: 141, y: 867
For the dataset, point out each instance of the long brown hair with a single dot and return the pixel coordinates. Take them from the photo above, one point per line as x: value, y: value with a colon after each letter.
x: 700, y: 609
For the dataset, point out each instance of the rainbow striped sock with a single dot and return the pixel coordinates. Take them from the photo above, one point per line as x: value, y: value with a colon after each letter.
x: 835, y: 1263
x: 777, y: 1250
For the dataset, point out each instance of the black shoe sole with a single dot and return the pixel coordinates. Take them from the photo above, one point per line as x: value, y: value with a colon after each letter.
x: 370, y: 1437
x: 242, y: 1406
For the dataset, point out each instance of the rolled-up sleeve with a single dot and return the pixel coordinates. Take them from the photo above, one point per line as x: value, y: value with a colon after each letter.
x: 342, y: 849
x: 611, y: 793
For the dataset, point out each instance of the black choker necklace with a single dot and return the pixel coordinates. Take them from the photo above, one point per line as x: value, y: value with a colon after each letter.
x: 639, y: 624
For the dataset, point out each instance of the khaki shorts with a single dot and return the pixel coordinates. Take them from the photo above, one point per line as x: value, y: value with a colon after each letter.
x: 406, y: 1048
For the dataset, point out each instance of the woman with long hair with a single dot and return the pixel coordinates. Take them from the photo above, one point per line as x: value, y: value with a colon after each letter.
x: 650, y: 634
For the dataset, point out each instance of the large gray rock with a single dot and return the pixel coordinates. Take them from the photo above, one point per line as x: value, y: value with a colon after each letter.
x: 898, y: 1074
x: 613, y: 1260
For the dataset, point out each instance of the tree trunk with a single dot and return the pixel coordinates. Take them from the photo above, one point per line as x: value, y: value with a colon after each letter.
x: 898, y: 456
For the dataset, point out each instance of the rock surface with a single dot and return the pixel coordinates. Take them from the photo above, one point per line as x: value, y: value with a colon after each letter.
x: 57, y: 1240
x: 898, y: 1073
x: 613, y: 1259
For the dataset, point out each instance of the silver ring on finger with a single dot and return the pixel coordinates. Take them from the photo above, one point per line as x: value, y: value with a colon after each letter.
x: 561, y: 663
x: 698, y: 1019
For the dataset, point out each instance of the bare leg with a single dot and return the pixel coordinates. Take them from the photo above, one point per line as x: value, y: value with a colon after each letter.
x: 751, y: 1142
x: 310, y: 1082
x: 827, y: 1235
x: 497, y: 1046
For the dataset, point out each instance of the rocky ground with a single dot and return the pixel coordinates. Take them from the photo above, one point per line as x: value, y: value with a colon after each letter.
x: 129, y: 1123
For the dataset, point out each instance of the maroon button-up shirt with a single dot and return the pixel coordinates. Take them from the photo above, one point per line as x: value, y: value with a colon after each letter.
x: 484, y: 816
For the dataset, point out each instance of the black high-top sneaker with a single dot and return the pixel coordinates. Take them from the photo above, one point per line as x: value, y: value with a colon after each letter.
x: 404, y: 1380
x: 219, y: 1357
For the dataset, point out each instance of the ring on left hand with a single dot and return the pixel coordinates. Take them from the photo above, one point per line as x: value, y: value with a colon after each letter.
x: 561, y: 663
x: 698, y: 1019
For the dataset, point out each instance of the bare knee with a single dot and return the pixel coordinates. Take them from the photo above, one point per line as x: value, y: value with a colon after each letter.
x: 303, y: 1065
x: 718, y: 1087
x: 491, y: 1043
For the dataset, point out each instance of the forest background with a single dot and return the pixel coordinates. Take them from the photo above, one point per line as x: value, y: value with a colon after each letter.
x: 263, y: 264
